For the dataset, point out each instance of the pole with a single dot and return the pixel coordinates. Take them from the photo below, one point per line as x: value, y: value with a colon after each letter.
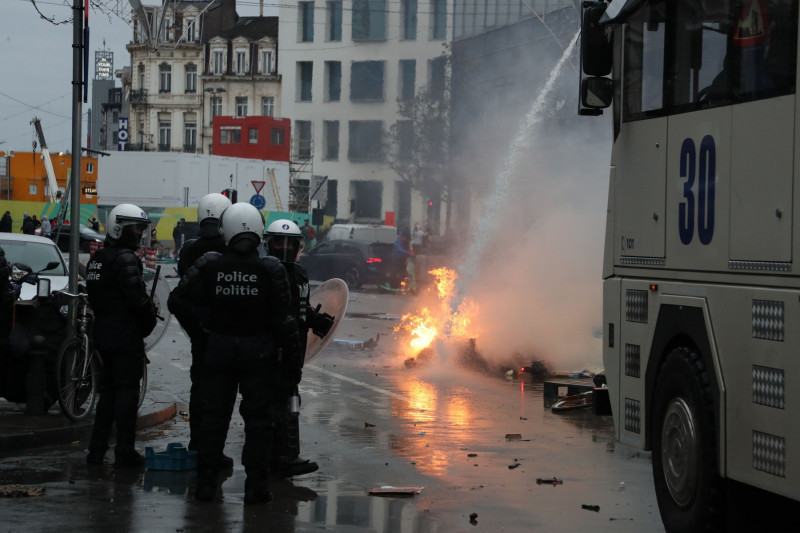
x: 75, y: 192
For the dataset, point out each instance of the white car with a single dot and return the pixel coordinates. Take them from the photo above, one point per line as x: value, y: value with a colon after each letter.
x: 36, y: 252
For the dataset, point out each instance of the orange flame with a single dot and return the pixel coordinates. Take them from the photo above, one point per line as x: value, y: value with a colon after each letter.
x: 426, y: 325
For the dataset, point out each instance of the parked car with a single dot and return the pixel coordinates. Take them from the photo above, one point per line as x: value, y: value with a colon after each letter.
x: 355, y: 262
x: 36, y: 252
x: 61, y: 234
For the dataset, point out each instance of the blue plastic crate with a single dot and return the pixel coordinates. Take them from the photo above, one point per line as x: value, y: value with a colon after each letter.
x: 177, y: 457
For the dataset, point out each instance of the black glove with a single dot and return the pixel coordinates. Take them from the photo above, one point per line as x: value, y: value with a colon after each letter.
x: 146, y: 318
x: 320, y: 323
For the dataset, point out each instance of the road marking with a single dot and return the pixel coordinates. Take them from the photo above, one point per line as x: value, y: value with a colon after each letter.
x: 360, y: 383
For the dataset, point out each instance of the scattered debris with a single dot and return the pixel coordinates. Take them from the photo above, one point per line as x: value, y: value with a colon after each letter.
x: 472, y: 455
x: 523, y: 418
x: 395, y: 491
x: 19, y: 491
x: 548, y: 481
x: 595, y: 508
x: 513, y: 436
x: 368, y: 425
x: 473, y: 518
x: 515, y: 465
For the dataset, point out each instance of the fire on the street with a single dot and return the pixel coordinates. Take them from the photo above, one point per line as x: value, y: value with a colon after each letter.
x: 446, y: 318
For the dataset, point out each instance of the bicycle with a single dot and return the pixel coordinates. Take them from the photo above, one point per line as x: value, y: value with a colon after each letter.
x: 79, y: 366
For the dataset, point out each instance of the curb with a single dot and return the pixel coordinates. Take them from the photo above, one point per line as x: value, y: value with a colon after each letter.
x: 78, y: 431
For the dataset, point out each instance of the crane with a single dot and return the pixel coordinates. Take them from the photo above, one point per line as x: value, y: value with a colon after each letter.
x: 48, y: 164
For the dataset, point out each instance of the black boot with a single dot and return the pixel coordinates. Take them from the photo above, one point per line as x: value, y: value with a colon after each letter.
x: 256, y: 487
x: 95, y: 456
x: 295, y: 467
x: 127, y: 458
x: 206, y: 486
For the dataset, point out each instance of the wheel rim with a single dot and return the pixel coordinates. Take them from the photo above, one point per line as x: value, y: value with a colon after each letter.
x: 352, y: 277
x: 680, y: 451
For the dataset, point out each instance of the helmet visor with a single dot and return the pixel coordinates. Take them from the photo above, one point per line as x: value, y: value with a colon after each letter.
x: 286, y: 249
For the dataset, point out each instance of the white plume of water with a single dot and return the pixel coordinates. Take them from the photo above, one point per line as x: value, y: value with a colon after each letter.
x: 471, y: 266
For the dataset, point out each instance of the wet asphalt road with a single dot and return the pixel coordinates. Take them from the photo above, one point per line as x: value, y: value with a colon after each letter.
x: 369, y: 422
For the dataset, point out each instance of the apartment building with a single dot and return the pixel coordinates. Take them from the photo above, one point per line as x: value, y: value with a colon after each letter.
x: 344, y: 66
x: 192, y: 61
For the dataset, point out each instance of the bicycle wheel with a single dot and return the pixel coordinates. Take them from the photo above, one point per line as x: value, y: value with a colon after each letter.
x: 143, y: 384
x: 76, y: 379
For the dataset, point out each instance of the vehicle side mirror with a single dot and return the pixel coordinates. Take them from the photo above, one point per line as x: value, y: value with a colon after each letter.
x: 50, y: 266
x: 596, y: 43
x: 596, y: 92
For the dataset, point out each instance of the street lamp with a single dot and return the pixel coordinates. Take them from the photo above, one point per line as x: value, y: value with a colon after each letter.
x: 214, y: 94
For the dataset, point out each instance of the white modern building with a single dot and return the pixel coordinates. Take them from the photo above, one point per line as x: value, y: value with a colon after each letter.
x: 344, y: 64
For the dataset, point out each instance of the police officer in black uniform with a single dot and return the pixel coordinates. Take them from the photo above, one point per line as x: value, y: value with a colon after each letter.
x: 240, y: 303
x: 285, y: 242
x: 209, y: 209
x: 123, y: 316
x: 6, y: 300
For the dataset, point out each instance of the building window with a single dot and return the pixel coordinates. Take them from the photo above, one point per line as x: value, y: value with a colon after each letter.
x: 267, y: 106
x: 141, y: 77
x: 438, y: 78
x: 369, y: 20
x: 409, y: 11
x: 219, y: 62
x: 252, y: 135
x: 266, y: 62
x: 439, y: 28
x: 333, y: 80
x: 166, y: 30
x: 306, y: 22
x: 164, y: 136
x: 230, y: 135
x: 33, y: 189
x: 330, y: 133
x: 305, y: 69
x: 276, y: 137
x: 191, y: 78
x: 334, y: 21
x: 191, y: 30
x: 302, y: 129
x: 190, y: 137
x: 366, y: 140
x: 405, y: 139
x: 241, y: 106
x: 216, y: 107
x: 164, y: 78
x: 408, y: 78
x: 366, y: 81
x: 90, y: 168
x: 241, y: 62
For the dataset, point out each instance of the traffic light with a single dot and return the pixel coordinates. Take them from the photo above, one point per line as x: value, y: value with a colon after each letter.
x: 231, y: 194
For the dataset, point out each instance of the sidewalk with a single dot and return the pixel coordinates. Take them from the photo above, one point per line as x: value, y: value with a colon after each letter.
x: 19, y: 431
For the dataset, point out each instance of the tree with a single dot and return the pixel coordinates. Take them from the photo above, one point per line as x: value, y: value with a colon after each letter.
x: 417, y: 145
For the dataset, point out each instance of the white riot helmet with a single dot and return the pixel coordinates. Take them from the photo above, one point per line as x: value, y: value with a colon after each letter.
x: 284, y: 240
x: 242, y: 226
x: 126, y: 223
x: 209, y: 209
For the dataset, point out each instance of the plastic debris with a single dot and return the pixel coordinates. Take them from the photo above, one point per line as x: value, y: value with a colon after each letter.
x: 473, y: 518
x: 513, y: 436
x: 472, y: 455
x: 395, y: 491
x: 176, y: 457
x: 515, y: 465
x: 595, y: 508
x: 549, y: 481
x: 368, y: 425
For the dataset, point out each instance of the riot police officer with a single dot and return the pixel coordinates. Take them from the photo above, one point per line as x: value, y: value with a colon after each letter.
x: 123, y: 316
x: 285, y: 242
x: 209, y: 210
x: 228, y: 298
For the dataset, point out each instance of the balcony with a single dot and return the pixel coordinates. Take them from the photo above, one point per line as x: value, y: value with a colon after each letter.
x: 190, y: 148
x: 164, y: 147
x: 139, y: 96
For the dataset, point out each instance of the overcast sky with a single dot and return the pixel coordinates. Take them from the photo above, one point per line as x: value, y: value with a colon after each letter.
x: 37, y: 64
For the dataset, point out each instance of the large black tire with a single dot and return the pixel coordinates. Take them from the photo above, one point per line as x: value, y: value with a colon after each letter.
x: 689, y: 489
x: 77, y: 391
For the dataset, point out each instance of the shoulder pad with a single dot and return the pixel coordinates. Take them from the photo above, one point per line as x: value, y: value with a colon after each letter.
x: 206, y: 258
